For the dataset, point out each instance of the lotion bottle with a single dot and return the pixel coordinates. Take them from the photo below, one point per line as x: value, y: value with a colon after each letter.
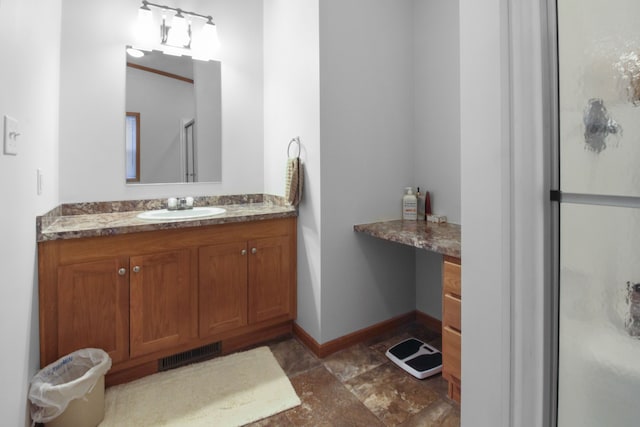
x: 409, y: 205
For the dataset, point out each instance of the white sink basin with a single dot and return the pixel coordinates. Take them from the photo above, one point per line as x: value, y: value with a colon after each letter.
x: 167, y: 215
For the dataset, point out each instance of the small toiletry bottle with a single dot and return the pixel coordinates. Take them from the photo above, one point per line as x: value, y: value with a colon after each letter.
x: 421, y: 204
x: 409, y: 205
x: 427, y: 205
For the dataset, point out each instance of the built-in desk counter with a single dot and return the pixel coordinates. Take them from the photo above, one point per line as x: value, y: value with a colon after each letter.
x: 443, y: 238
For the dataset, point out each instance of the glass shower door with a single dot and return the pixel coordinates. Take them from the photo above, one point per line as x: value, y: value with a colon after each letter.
x: 599, y: 151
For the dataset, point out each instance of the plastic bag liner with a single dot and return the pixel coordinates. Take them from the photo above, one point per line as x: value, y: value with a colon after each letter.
x: 71, y: 377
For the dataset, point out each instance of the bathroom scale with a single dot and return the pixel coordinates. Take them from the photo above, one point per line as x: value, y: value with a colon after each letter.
x: 417, y: 358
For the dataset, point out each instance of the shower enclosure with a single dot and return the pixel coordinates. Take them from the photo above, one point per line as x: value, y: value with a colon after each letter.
x: 598, y: 195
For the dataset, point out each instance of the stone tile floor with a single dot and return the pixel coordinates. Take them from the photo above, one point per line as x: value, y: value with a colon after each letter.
x: 360, y: 386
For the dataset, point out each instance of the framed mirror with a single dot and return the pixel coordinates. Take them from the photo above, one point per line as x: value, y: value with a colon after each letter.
x: 173, y: 119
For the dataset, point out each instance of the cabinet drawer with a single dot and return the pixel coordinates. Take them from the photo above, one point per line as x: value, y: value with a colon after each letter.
x: 451, y: 346
x: 451, y: 312
x: 451, y: 278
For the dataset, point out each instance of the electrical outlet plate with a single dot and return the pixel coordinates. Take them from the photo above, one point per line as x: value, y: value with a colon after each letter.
x: 11, y: 134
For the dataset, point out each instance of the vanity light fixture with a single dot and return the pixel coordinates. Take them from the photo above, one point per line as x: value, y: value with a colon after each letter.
x: 181, y: 32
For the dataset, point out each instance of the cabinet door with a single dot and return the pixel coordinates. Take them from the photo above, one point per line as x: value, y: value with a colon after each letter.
x: 222, y: 278
x: 271, y: 293
x: 160, y: 308
x: 93, y: 308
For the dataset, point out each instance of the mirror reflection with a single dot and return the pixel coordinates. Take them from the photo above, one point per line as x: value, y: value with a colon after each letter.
x: 173, y: 119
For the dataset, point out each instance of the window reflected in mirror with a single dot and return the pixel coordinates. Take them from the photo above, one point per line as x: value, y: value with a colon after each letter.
x: 133, y: 146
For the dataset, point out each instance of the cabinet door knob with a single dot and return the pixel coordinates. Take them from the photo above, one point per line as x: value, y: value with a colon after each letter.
x: 136, y: 269
x: 122, y: 271
x: 254, y: 250
x: 243, y: 252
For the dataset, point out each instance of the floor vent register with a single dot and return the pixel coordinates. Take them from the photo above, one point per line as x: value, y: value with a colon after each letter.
x: 417, y: 358
x: 199, y: 354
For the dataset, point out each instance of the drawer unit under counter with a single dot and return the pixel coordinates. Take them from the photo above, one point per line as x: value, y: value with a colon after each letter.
x: 452, y: 325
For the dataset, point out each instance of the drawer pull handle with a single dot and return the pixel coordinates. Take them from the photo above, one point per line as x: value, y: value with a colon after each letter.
x: 136, y: 269
x: 243, y: 252
x: 254, y: 251
x: 122, y: 271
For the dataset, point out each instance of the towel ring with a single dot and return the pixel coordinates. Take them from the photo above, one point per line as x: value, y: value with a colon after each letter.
x: 297, y: 141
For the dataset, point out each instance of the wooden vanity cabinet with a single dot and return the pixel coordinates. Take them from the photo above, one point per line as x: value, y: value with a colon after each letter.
x: 247, y: 282
x: 452, y: 325
x: 145, y: 296
x: 128, y: 306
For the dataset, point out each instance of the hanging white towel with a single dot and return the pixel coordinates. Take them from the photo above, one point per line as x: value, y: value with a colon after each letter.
x: 294, y: 178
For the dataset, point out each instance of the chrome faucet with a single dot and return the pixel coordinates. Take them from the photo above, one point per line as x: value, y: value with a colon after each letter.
x: 179, y: 203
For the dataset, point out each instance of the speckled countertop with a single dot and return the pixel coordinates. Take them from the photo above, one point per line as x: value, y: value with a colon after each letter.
x: 443, y: 238
x: 77, y: 220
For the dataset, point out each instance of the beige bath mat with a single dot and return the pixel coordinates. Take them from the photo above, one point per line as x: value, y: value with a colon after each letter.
x: 227, y: 391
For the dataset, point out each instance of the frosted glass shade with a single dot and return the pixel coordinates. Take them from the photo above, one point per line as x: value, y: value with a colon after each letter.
x: 144, y: 30
x: 206, y: 43
x: 179, y: 32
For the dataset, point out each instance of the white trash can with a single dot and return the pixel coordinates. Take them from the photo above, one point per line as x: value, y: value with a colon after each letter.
x: 86, y: 411
x: 70, y: 391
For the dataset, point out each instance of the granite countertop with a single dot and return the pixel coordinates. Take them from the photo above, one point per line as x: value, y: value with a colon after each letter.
x: 443, y: 238
x: 77, y: 220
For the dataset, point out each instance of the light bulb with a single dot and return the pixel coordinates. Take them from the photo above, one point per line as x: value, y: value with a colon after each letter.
x: 178, y: 32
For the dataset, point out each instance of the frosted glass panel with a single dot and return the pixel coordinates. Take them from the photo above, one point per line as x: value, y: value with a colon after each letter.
x: 599, y: 66
x: 599, y: 358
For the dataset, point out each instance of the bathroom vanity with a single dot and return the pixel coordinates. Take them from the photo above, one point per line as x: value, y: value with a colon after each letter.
x: 443, y: 238
x: 150, y: 293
